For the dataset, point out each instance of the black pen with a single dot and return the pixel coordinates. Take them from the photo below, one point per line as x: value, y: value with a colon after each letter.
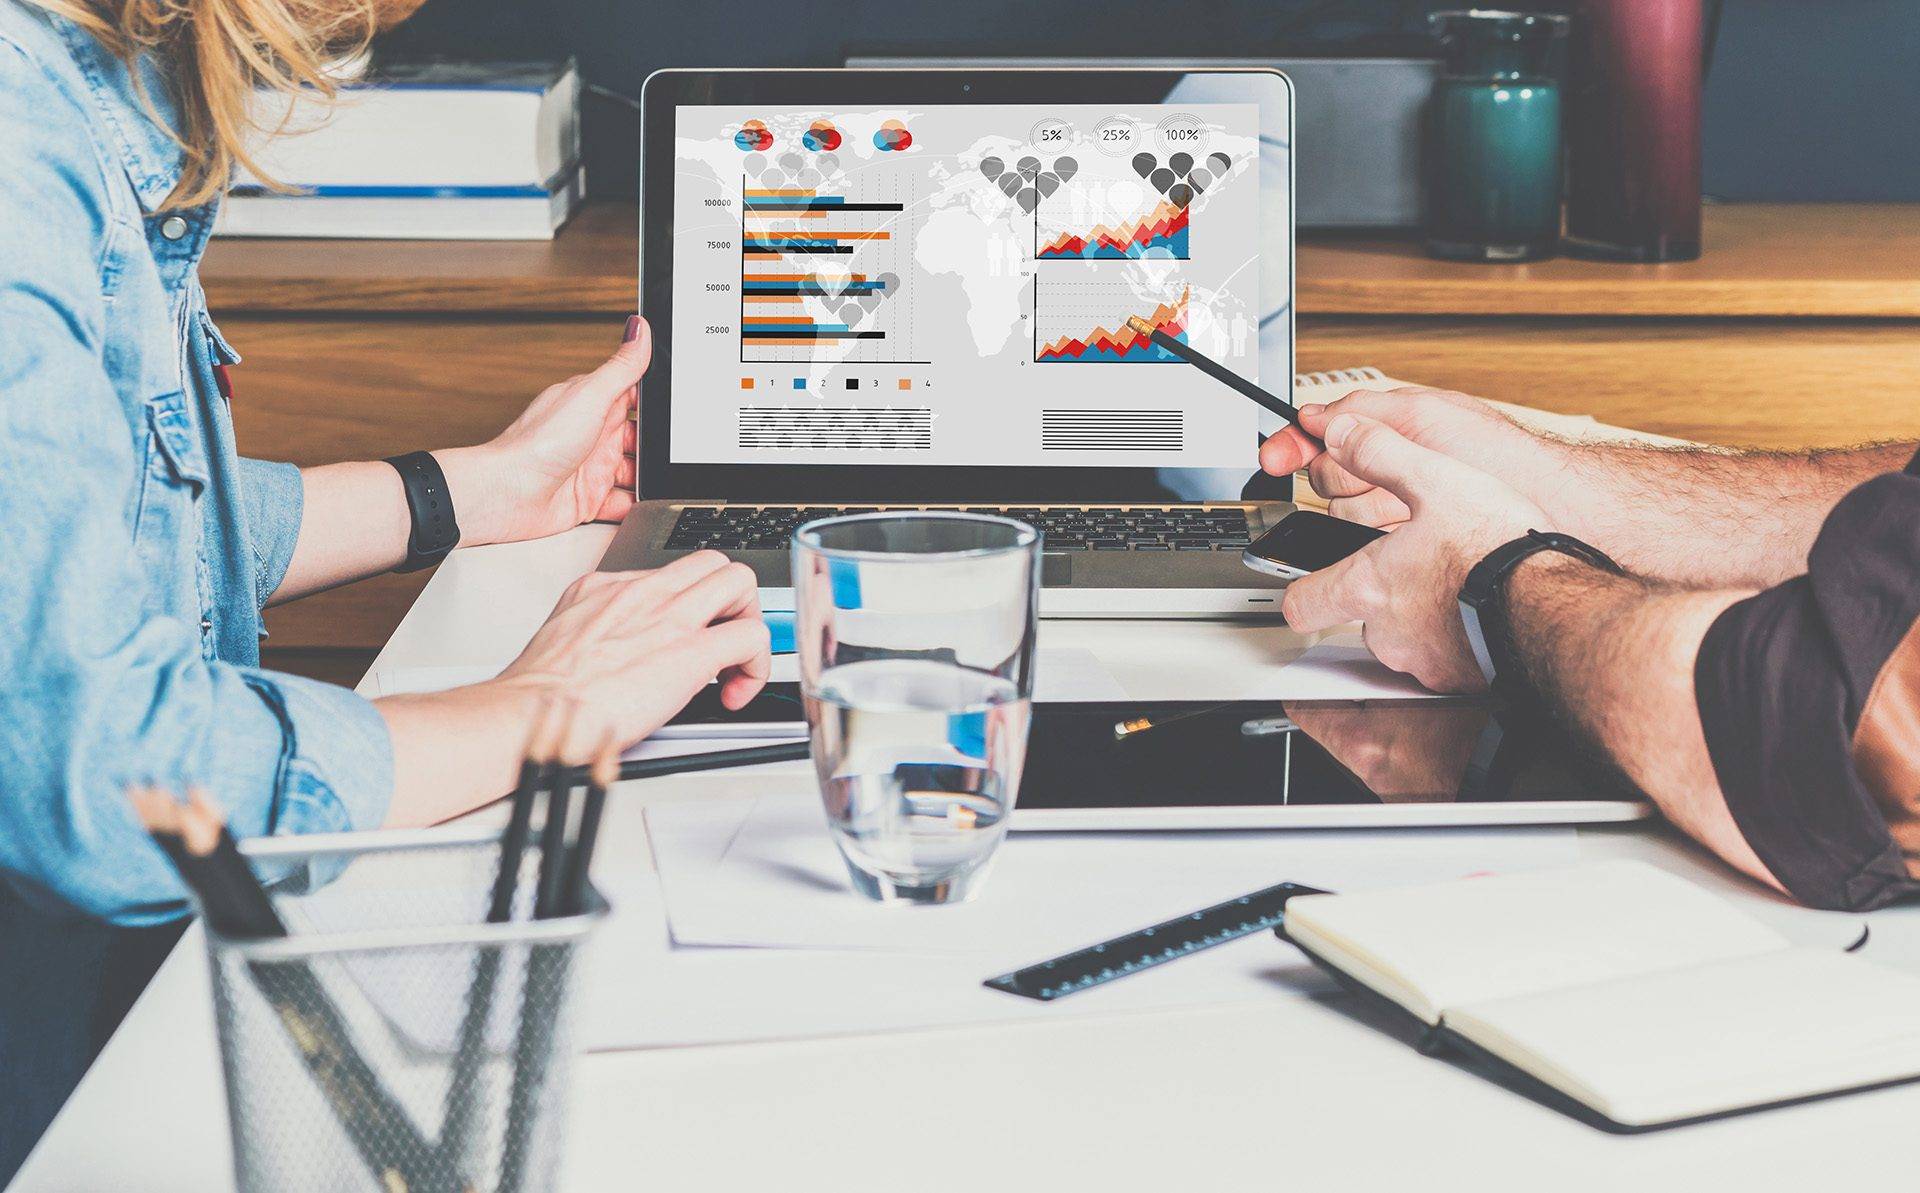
x: 679, y: 764
x: 1216, y: 370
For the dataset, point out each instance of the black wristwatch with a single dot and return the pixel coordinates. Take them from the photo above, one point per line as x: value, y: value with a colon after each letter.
x: 1483, y: 598
x: 435, y: 532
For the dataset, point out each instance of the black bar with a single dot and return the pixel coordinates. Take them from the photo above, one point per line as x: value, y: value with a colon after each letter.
x: 747, y: 332
x: 764, y: 205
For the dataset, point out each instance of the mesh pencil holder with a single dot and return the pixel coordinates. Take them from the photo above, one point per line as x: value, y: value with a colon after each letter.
x: 396, y: 1041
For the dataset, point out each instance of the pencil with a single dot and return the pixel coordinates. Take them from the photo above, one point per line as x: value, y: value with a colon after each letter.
x: 546, y: 973
x: 680, y: 764
x: 605, y: 772
x: 1122, y: 730
x: 540, y: 756
x: 464, y: 1090
x: 1215, y: 370
x: 195, y: 838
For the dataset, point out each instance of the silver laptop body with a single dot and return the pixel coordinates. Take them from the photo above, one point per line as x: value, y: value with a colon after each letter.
x: 1122, y: 541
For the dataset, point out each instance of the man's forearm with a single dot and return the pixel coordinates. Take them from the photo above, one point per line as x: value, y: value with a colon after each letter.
x: 1614, y: 657
x: 1707, y: 517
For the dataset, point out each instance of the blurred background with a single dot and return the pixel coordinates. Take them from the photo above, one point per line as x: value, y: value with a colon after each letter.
x: 1806, y: 100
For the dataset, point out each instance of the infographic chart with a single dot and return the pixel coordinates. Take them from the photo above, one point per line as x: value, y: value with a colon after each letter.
x: 1072, y: 304
x: 901, y: 285
x: 800, y: 291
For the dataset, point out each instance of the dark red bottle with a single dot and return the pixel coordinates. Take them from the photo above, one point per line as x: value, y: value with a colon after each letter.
x: 1633, y: 130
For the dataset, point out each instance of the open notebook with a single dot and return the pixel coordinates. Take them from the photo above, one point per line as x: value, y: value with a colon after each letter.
x: 1617, y: 992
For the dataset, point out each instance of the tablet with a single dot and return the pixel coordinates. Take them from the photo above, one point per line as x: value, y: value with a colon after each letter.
x: 1265, y: 764
x: 1253, y: 765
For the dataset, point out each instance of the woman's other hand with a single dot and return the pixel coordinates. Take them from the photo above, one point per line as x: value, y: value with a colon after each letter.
x: 568, y: 458
x: 628, y: 649
x: 633, y: 647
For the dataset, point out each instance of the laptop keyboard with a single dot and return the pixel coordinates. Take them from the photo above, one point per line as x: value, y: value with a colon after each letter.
x: 1067, y: 528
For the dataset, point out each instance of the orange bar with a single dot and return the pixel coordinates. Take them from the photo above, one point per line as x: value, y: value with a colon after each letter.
x: 791, y: 215
x: 779, y: 192
x: 809, y: 234
x: 769, y: 319
x: 774, y: 297
x: 793, y: 277
x: 753, y: 342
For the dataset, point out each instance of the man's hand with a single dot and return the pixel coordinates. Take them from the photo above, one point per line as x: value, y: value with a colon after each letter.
x: 1452, y: 424
x: 1406, y: 587
x: 567, y: 459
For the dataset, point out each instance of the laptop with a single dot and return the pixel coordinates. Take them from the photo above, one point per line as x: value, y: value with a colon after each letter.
x: 876, y: 289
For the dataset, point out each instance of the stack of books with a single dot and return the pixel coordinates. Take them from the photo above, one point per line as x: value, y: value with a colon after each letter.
x: 445, y: 151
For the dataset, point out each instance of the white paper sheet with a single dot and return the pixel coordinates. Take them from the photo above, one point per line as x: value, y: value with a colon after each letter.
x: 645, y: 990
x: 768, y: 875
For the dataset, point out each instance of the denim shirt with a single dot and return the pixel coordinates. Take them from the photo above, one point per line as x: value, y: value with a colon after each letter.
x: 136, y: 547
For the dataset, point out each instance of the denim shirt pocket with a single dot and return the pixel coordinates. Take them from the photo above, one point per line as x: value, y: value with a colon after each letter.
x: 223, y: 352
x: 166, y: 526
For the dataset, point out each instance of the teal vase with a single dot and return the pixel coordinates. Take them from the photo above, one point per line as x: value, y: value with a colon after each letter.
x: 1493, y: 169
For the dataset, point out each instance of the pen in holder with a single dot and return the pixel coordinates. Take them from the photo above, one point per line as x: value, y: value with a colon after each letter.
x: 363, y: 1050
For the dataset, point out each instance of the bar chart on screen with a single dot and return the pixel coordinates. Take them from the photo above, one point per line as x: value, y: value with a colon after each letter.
x: 820, y: 277
x: 1086, y: 323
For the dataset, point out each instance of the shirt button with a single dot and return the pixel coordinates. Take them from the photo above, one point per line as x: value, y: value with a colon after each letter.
x: 206, y: 625
x: 173, y: 227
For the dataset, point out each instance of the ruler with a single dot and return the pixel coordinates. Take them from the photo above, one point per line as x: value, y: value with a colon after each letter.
x: 1170, y: 940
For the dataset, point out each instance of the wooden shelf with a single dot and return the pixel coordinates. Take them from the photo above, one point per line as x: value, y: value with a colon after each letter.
x: 1762, y: 261
x: 590, y: 268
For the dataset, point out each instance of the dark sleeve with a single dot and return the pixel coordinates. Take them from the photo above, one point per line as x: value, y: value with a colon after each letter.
x: 1809, y: 694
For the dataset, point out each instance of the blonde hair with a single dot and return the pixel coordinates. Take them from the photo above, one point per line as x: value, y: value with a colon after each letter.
x: 217, y: 54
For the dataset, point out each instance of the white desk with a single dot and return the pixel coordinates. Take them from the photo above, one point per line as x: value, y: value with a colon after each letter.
x: 1288, y: 1094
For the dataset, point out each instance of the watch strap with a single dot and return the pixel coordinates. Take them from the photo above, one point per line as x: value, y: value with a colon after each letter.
x: 435, y: 531
x: 1483, y: 597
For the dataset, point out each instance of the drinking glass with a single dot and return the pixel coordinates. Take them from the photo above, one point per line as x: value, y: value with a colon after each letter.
x: 915, y: 632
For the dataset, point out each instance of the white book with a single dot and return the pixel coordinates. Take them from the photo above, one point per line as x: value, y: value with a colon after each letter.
x: 483, y: 126
x: 417, y: 216
x: 1620, y: 993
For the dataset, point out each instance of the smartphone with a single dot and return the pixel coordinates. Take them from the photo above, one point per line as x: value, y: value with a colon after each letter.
x: 1305, y: 542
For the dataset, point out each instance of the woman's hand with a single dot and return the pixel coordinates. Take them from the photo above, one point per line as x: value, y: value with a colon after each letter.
x: 633, y: 647
x: 626, y: 649
x: 567, y: 459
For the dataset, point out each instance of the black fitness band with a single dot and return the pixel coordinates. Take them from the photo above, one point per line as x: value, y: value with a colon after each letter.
x: 434, y: 530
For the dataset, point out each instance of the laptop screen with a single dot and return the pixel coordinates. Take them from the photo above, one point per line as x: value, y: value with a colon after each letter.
x: 951, y: 284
